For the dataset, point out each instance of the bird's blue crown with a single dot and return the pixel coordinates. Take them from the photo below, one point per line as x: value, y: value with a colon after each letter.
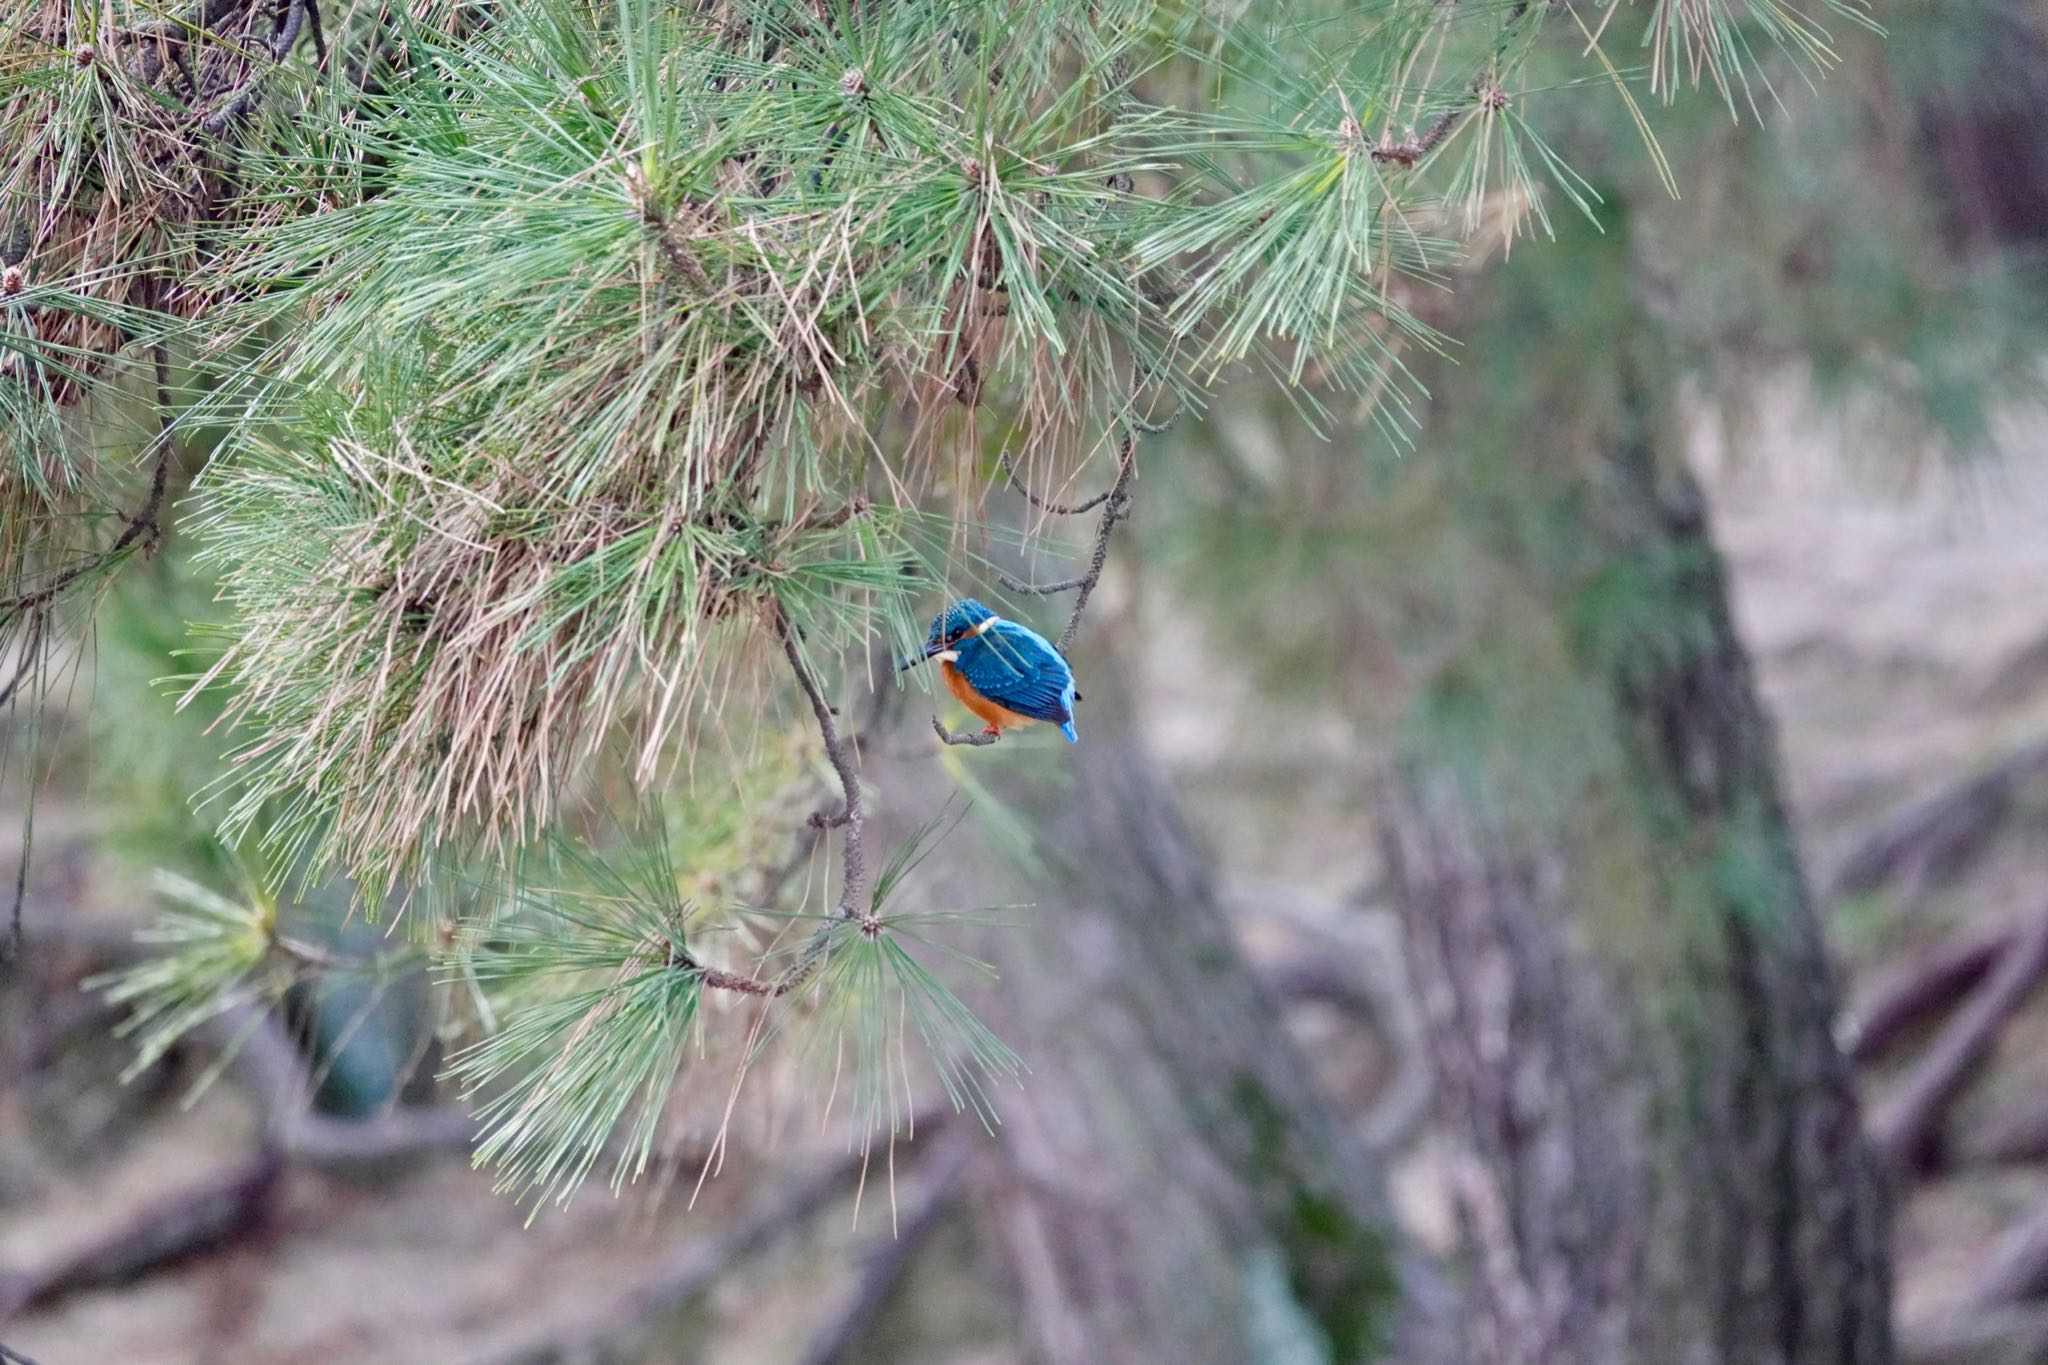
x: 957, y: 620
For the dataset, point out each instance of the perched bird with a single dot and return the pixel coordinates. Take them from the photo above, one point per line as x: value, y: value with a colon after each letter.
x: 1007, y: 674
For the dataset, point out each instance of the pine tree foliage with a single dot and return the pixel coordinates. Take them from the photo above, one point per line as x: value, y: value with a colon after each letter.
x: 593, y: 383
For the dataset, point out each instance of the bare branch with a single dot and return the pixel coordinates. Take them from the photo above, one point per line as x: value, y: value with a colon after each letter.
x: 1905, y: 995
x: 1934, y: 835
x: 1116, y: 507
x: 972, y: 741
x: 849, y: 816
x: 289, y: 26
x: 1042, y: 589
x: 170, y: 1228
x: 1058, y: 509
x: 1904, y: 1125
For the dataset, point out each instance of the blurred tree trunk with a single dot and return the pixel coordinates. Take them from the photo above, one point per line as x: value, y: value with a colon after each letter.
x: 1627, y: 996
x: 1169, y: 1186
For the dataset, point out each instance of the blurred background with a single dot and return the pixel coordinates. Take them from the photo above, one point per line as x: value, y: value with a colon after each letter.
x: 1824, y: 363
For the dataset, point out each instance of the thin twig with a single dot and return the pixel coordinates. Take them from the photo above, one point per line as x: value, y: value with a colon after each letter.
x: 1058, y: 509
x: 1115, y: 508
x: 849, y: 816
x: 287, y: 36
x: 972, y: 741
x: 1042, y: 589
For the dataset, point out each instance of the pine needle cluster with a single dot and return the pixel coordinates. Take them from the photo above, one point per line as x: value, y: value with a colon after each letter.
x: 592, y: 385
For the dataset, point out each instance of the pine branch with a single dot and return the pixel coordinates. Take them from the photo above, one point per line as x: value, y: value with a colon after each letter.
x: 143, y: 523
x: 1115, y: 508
x: 849, y: 816
x: 290, y: 24
x: 973, y: 740
x: 1058, y: 509
x: 1115, y: 502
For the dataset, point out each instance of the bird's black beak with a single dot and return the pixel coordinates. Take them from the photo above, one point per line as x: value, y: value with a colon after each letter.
x: 914, y: 660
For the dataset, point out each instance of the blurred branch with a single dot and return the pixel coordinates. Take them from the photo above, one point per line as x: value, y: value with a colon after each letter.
x: 849, y: 816
x: 2016, y: 1269
x: 216, y: 1211
x: 2008, y: 1136
x: 1349, y: 984
x: 885, y: 1264
x: 1904, y: 1125
x: 1907, y: 994
x: 695, y: 1267
x: 191, y: 1221
x: 277, y: 1072
x: 1933, y: 836
x: 1058, y: 509
x: 1345, y: 952
x: 291, y: 22
x: 977, y: 740
x: 1978, y: 1338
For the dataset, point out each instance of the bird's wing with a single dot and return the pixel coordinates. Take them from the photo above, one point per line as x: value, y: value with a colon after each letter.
x: 1014, y: 666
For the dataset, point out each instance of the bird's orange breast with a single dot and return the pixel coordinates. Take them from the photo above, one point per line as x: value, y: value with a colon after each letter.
x: 994, y: 713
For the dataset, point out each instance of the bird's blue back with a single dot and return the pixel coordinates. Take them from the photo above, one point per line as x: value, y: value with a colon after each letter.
x: 1017, y: 667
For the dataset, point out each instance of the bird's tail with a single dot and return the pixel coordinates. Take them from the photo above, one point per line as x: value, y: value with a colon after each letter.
x: 1067, y: 729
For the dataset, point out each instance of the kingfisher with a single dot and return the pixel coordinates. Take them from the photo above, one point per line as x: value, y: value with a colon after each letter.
x: 1007, y: 674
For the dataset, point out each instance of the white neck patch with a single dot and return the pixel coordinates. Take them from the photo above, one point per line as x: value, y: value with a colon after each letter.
x: 986, y: 626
